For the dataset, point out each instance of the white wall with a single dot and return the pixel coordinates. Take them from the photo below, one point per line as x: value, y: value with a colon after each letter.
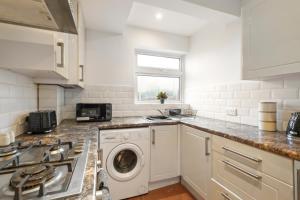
x: 18, y: 97
x: 110, y: 69
x: 51, y: 97
x: 111, y: 57
x: 213, y: 80
x: 214, y: 55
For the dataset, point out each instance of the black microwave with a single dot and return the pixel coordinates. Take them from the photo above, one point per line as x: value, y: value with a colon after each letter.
x: 93, y: 112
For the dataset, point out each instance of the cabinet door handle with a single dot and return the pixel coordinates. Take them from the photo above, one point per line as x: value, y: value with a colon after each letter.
x: 62, y: 53
x: 243, y: 155
x: 226, y: 196
x: 81, y: 78
x: 206, y: 146
x: 257, y: 177
x: 153, y: 136
x: 298, y: 184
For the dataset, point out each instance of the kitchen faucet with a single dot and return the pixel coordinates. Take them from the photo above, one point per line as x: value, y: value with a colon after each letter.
x: 161, y: 112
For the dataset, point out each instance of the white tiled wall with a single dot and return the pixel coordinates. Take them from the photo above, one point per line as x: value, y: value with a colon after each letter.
x: 212, y: 100
x: 51, y: 97
x: 121, y: 97
x: 18, y: 96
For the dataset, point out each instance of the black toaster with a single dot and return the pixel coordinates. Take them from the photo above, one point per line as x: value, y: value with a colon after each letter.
x: 42, y: 121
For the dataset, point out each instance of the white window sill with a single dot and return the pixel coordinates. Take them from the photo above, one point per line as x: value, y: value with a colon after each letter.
x: 158, y: 103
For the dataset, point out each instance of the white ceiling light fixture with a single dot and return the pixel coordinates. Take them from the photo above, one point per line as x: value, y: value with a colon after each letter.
x: 159, y: 16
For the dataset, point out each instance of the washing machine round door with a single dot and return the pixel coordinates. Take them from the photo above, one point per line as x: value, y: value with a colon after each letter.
x: 125, y: 162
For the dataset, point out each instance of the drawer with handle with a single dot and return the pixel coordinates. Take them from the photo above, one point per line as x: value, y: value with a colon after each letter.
x: 247, y: 182
x: 219, y: 192
x: 256, y: 159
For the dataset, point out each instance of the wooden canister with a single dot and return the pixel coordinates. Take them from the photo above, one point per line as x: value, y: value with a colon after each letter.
x: 267, y: 116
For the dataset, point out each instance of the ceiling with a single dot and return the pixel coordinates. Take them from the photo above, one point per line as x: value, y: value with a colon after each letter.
x: 143, y: 15
x: 183, y: 17
x: 106, y: 15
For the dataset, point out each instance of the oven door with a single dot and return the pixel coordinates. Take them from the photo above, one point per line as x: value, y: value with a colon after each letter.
x: 125, y: 162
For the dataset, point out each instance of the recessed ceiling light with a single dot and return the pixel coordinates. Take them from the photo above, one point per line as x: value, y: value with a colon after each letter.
x: 158, y: 16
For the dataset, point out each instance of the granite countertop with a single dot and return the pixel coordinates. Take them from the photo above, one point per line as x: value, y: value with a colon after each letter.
x: 275, y: 142
x: 68, y: 130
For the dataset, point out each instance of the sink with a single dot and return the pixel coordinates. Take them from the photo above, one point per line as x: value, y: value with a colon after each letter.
x: 159, y: 117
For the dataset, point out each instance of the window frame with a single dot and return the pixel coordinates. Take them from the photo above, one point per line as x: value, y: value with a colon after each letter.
x: 159, y: 72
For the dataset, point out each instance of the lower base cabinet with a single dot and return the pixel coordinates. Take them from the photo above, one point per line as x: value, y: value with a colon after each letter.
x: 249, y: 173
x: 195, y: 159
x: 164, y: 153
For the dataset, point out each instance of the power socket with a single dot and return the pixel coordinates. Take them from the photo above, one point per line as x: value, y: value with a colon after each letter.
x: 231, y: 111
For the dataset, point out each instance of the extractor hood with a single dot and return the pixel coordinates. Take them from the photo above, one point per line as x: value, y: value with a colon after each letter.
x: 57, y: 15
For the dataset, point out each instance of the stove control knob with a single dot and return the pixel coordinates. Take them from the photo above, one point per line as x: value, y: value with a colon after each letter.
x: 99, y: 195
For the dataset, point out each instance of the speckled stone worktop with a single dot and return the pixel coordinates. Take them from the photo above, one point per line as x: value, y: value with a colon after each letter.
x: 276, y: 143
x: 69, y: 130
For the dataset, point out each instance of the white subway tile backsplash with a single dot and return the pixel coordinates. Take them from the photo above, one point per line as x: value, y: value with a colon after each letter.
x: 245, y: 96
x: 261, y: 94
x: 17, y: 98
x: 242, y: 94
x: 251, y: 85
x: 293, y: 82
x: 272, y: 84
x: 121, y: 97
x: 291, y: 105
x: 285, y: 94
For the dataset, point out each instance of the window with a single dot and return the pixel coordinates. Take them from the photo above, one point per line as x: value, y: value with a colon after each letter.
x: 157, y: 72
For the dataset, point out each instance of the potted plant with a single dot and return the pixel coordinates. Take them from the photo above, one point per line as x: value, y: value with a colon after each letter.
x: 162, y: 96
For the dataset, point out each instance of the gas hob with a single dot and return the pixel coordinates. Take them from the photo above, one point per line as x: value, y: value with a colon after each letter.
x: 42, y: 171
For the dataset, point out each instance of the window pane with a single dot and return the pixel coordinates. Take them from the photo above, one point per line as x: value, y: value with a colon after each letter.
x: 150, y: 86
x: 158, y: 62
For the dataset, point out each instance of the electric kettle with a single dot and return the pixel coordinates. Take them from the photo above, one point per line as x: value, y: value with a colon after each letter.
x: 293, y: 128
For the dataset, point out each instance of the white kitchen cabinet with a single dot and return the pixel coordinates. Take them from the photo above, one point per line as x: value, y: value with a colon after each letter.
x: 251, y: 173
x: 195, y: 159
x: 164, y: 153
x: 271, y: 38
x: 48, y: 57
x: 76, y: 58
x: 35, y: 52
x: 81, y: 46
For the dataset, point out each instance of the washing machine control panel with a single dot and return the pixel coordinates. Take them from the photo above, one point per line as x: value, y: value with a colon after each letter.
x: 121, y: 135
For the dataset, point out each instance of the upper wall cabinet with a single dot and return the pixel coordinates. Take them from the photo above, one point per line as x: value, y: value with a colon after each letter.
x: 76, y: 58
x: 271, y: 38
x: 37, y: 53
x: 46, y: 56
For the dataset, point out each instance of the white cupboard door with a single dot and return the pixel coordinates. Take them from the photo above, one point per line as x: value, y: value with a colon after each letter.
x: 271, y: 38
x: 164, y: 153
x: 81, y: 46
x: 81, y: 37
x: 195, y: 159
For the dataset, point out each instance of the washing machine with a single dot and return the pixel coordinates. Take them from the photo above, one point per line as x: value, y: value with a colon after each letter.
x: 126, y: 158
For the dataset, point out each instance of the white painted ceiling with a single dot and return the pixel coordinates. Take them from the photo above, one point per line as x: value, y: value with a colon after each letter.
x: 183, y: 17
x: 143, y: 15
x: 106, y: 15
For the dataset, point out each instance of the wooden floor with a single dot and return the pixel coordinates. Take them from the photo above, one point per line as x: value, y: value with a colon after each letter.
x: 173, y: 192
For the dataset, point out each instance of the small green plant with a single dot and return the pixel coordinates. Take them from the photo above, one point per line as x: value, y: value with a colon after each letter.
x: 162, y: 96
